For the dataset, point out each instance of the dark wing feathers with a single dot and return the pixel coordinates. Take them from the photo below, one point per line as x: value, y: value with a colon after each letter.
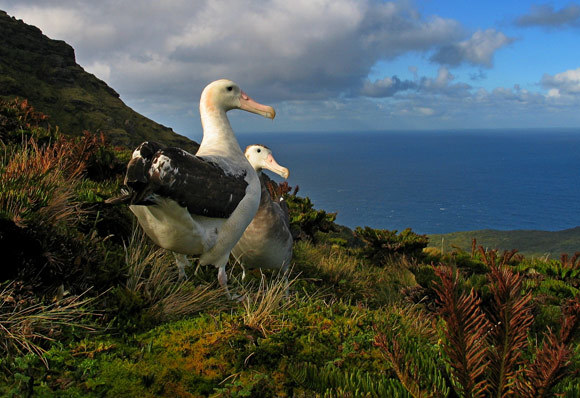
x: 198, y: 184
x: 136, y: 189
x: 195, y: 183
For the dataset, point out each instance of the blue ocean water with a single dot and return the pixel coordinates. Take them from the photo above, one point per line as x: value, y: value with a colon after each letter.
x: 437, y: 182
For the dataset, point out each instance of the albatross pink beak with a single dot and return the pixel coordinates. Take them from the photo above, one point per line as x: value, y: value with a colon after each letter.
x: 274, y: 167
x: 248, y: 104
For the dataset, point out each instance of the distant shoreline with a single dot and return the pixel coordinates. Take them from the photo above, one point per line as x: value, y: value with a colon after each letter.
x: 528, y: 242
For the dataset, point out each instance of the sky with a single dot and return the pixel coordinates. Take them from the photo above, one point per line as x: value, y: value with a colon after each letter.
x: 331, y: 65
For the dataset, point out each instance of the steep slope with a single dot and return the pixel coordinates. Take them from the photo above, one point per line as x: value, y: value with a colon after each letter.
x: 45, y: 72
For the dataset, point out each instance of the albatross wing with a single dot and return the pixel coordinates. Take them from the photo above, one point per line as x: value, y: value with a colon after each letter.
x: 201, y: 185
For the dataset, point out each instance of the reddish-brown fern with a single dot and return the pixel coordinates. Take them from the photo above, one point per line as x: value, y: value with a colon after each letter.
x: 553, y: 357
x: 512, y: 318
x: 406, y: 373
x: 489, y: 257
x: 547, y: 369
x: 465, y: 344
x: 568, y: 262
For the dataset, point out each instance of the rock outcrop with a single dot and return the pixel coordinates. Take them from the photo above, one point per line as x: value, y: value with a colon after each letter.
x: 45, y: 72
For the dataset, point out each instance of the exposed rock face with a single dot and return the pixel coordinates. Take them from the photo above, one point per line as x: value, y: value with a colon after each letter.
x: 45, y: 72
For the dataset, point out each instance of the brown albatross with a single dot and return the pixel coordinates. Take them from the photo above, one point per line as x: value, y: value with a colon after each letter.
x: 198, y: 204
x: 267, y: 242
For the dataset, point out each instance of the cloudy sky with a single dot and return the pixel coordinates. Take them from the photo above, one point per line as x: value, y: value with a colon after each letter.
x: 331, y: 65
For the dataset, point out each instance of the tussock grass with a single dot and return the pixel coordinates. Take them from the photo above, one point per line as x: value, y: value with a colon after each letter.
x: 264, y: 306
x: 152, y: 275
x: 39, y: 181
x: 348, y: 276
x: 25, y: 326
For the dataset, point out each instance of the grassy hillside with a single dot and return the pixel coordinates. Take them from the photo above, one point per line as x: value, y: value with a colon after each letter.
x: 44, y: 72
x: 530, y: 243
x: 89, y: 307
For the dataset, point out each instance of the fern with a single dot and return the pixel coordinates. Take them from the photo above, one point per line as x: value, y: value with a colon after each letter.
x: 546, y: 370
x: 466, y: 329
x: 334, y: 382
x: 553, y: 357
x: 415, y: 365
x: 512, y: 317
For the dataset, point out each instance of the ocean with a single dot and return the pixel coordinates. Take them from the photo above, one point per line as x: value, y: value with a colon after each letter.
x: 436, y: 182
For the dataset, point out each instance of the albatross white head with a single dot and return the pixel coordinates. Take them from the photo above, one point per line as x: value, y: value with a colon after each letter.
x: 218, y: 98
x: 260, y: 157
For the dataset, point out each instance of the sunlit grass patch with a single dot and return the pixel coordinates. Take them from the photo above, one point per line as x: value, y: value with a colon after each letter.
x: 264, y: 305
x: 342, y: 274
x: 38, y: 183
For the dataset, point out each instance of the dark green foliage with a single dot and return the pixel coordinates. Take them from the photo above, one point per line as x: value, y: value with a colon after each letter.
x: 20, y: 122
x: 335, y: 382
x: 415, y: 362
x: 382, y: 244
x: 305, y: 220
x: 425, y: 275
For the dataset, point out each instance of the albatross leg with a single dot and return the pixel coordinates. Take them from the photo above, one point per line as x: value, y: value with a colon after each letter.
x: 182, y: 262
x: 223, y: 280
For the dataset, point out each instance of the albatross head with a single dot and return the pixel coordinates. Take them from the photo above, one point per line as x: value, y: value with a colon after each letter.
x: 226, y: 95
x: 260, y: 157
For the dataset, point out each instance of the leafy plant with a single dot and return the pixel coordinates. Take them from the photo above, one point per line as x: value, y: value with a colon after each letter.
x: 20, y: 122
x: 382, y: 244
x: 305, y: 220
x: 331, y: 381
x: 466, y: 331
x: 487, y: 353
x: 511, y: 317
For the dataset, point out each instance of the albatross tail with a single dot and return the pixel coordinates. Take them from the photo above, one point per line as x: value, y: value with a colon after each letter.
x: 136, y: 190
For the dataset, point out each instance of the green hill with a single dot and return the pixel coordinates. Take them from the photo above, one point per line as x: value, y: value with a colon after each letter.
x: 45, y: 72
x: 529, y: 243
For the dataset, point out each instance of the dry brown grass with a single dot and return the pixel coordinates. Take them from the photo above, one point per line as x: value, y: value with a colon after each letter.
x: 264, y: 306
x: 153, y: 275
x: 27, y: 326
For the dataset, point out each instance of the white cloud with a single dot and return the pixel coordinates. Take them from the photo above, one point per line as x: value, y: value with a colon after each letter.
x: 311, y: 58
x: 278, y: 50
x: 567, y: 82
x: 477, y: 50
x: 386, y: 87
x: 66, y: 23
x: 99, y: 69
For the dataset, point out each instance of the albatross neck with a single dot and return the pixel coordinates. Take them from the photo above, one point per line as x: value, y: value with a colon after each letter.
x: 218, y: 136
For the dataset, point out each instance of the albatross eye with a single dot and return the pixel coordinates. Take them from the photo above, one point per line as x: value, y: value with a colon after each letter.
x: 230, y: 88
x: 258, y: 150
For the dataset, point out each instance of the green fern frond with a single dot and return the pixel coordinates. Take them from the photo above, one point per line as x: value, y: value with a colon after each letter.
x: 334, y: 382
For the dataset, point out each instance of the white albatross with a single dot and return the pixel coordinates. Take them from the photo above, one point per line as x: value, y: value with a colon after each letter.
x: 267, y: 242
x: 198, y: 204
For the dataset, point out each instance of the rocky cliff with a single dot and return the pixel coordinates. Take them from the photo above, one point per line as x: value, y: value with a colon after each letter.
x: 45, y: 72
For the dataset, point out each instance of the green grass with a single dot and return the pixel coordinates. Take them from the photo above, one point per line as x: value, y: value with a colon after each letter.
x: 530, y: 243
x: 361, y: 317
